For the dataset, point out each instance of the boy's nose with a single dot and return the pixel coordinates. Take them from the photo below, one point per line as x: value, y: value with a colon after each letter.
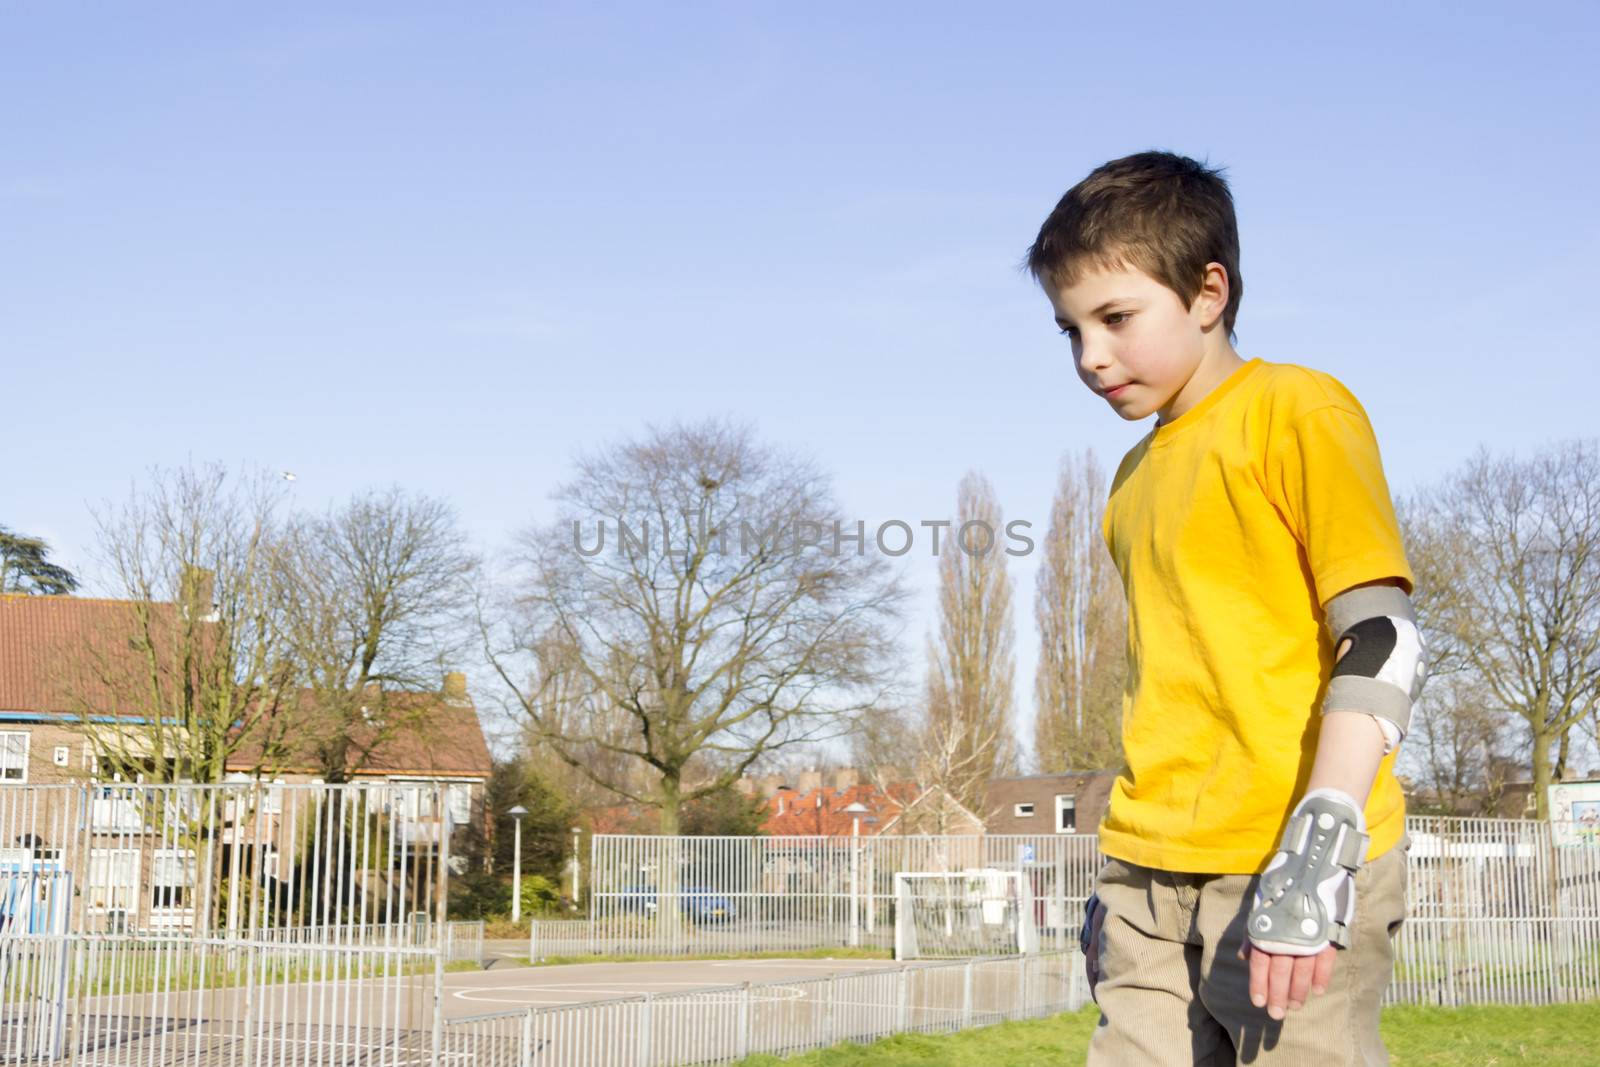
x: 1093, y: 358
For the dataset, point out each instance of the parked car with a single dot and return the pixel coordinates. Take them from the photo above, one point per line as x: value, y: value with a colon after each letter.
x: 698, y: 904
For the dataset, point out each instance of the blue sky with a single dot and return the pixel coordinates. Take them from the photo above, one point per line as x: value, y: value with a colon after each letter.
x: 447, y: 246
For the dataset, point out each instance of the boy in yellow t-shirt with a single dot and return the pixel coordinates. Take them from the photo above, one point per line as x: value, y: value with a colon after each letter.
x: 1255, y: 840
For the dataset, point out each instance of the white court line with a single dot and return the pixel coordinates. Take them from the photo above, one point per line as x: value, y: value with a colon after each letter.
x: 614, y: 990
x: 830, y: 964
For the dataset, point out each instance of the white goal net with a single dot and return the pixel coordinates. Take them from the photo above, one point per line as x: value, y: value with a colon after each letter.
x: 984, y: 911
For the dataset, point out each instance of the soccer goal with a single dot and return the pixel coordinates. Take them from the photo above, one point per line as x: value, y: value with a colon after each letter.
x: 984, y: 911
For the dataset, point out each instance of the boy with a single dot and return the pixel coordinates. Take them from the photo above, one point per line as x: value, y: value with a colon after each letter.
x: 1256, y: 865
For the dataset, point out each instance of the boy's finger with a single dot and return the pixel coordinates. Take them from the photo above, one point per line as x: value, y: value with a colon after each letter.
x: 1279, y: 971
x: 1322, y: 973
x: 1300, y: 981
x: 1260, y: 962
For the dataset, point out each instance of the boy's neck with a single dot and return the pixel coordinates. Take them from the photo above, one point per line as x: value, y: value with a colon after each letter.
x: 1214, y: 368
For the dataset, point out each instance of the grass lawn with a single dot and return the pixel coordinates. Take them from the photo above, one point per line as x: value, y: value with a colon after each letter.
x: 1565, y: 1034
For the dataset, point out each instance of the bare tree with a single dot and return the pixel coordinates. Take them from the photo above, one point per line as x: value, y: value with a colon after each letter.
x: 373, y: 596
x: 1459, y: 743
x: 971, y: 666
x: 1082, y: 619
x: 593, y: 766
x: 1518, y: 591
x: 1458, y: 748
x: 731, y: 615
x: 192, y: 667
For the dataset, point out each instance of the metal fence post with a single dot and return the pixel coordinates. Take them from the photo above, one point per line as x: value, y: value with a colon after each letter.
x: 902, y: 982
x: 902, y: 917
x: 742, y: 1041
x: 966, y: 995
x: 526, y: 1059
x: 828, y: 1037
x: 441, y: 901
x: 646, y: 1038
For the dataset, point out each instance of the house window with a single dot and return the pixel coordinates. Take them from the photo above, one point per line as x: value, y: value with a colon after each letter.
x: 172, y: 873
x: 113, y: 878
x: 13, y: 757
x: 459, y: 795
x: 114, y: 809
x: 274, y: 803
x: 1023, y: 811
x: 1066, y: 814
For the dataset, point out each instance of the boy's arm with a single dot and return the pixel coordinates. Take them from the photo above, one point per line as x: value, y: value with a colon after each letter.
x: 1359, y: 727
x: 1364, y: 718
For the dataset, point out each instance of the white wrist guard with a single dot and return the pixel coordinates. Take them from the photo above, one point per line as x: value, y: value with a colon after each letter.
x: 1306, y: 898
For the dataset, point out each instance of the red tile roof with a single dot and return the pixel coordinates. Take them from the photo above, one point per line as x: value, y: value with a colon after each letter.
x: 47, y: 644
x: 442, y: 736
x: 821, y: 811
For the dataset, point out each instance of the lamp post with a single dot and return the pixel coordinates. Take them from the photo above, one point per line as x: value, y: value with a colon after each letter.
x: 856, y: 810
x: 576, y: 830
x: 516, y: 864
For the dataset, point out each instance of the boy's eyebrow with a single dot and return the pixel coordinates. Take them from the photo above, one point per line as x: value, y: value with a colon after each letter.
x: 1114, y: 300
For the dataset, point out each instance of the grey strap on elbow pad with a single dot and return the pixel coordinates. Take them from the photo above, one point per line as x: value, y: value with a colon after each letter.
x: 1383, y: 670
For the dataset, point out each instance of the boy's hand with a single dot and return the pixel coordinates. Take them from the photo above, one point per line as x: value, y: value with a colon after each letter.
x: 1281, y: 983
x: 1305, y: 901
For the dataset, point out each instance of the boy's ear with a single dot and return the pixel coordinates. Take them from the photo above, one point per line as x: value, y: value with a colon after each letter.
x: 1212, y: 300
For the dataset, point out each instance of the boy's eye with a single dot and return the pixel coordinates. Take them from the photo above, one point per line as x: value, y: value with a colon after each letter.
x: 1116, y: 318
x: 1069, y: 331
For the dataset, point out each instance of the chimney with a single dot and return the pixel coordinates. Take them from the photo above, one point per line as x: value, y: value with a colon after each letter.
x: 197, y: 591
x: 846, y: 778
x: 810, y: 780
x: 455, y: 687
x: 770, y: 784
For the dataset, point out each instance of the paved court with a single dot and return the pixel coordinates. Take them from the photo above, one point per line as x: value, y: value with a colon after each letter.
x: 390, y: 1020
x: 508, y: 988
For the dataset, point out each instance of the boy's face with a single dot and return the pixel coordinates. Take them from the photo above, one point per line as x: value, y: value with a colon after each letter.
x: 1133, y: 341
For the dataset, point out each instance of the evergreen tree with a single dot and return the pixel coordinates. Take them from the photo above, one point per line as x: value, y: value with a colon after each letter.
x: 25, y: 568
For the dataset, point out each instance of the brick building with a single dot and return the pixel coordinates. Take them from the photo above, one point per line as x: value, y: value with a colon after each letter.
x: 133, y: 871
x: 1070, y: 803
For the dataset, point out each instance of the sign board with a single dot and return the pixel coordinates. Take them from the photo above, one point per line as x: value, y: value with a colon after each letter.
x: 1025, y: 853
x: 1575, y: 814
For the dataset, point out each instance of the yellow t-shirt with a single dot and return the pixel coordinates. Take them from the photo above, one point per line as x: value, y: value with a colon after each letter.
x: 1231, y: 526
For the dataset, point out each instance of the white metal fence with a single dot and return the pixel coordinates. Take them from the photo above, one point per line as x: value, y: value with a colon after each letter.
x: 750, y: 895
x: 232, y: 924
x: 461, y: 940
x: 1499, y: 910
x: 264, y: 924
x: 727, y: 1023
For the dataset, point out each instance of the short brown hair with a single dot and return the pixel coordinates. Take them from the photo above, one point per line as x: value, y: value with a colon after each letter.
x: 1164, y: 214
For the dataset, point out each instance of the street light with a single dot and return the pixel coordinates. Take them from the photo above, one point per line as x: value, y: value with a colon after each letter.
x: 856, y: 810
x: 516, y: 864
x: 576, y: 830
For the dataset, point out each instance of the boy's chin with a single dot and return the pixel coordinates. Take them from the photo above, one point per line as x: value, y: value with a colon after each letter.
x: 1131, y: 412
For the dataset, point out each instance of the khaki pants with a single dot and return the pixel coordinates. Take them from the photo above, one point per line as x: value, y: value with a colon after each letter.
x: 1173, y: 989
